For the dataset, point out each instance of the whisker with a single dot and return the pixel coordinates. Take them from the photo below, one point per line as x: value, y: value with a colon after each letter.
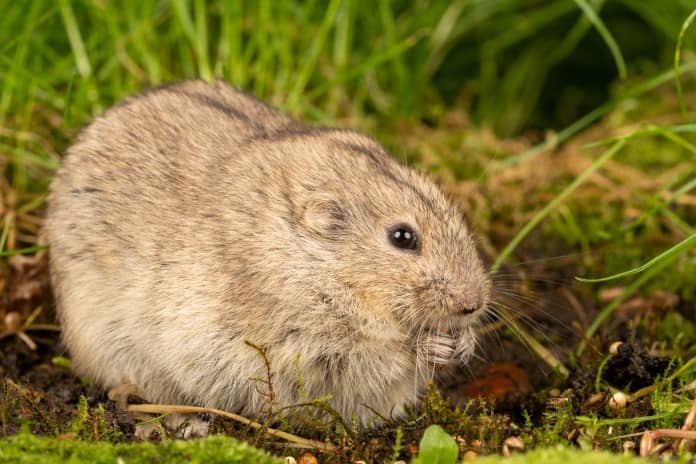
x: 519, y: 315
x: 545, y: 260
x: 529, y: 302
x: 536, y: 328
x: 502, y: 315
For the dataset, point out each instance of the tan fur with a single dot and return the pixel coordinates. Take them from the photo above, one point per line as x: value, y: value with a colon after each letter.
x: 193, y: 218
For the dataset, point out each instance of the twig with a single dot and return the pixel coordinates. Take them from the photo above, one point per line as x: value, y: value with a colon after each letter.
x: 688, y: 423
x: 174, y: 409
x: 649, y: 437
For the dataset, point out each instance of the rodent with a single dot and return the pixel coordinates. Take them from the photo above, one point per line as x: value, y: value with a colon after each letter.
x: 192, y: 218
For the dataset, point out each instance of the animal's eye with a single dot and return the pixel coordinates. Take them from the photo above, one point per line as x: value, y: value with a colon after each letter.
x: 403, y: 236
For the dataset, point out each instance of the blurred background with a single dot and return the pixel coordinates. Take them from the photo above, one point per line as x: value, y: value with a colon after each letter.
x: 514, y: 65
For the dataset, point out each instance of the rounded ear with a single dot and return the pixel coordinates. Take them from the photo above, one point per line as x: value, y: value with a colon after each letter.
x: 325, y: 217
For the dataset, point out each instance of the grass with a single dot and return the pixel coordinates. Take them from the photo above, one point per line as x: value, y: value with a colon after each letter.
x: 563, y: 127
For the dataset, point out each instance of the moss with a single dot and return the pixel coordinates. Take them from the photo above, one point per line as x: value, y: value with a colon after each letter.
x: 27, y: 448
x: 561, y: 454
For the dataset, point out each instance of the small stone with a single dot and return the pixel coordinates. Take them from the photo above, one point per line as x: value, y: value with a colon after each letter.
x: 614, y: 348
x: 13, y: 321
x: 512, y: 443
x: 618, y: 401
x: 307, y: 458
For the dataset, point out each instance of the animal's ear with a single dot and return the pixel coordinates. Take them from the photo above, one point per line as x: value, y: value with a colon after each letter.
x: 325, y: 217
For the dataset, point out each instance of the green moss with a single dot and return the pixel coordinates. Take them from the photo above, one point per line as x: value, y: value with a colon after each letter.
x: 26, y: 448
x: 90, y: 424
x: 564, y: 455
x: 678, y: 331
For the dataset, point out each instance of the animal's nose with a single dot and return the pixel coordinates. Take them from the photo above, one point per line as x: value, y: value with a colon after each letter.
x: 468, y: 308
x: 468, y: 305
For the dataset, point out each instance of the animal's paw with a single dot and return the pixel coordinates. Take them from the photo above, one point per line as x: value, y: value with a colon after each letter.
x: 439, y: 347
x: 187, y: 426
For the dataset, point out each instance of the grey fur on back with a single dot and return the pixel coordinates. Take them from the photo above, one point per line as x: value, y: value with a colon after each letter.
x: 192, y: 218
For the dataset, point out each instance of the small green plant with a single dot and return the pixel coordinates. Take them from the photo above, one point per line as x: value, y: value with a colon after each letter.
x: 437, y: 447
x: 90, y: 424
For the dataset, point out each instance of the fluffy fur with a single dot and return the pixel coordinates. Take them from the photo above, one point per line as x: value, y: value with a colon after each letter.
x: 193, y: 218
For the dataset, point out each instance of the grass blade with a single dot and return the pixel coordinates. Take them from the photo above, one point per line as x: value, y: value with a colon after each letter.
x: 366, y: 65
x: 589, y: 118
x: 22, y: 251
x: 75, y: 38
x: 611, y: 307
x: 68, y: 102
x: 6, y: 230
x: 311, y: 61
x: 677, y: 59
x: 675, y: 250
x: 510, y: 247
x: 606, y: 35
x: 660, y: 205
x: 650, y: 130
x: 196, y: 34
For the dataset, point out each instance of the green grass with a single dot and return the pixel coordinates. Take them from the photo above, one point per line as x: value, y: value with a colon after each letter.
x: 562, y: 126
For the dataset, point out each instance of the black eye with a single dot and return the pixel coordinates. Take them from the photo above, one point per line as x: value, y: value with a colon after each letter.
x: 403, y: 236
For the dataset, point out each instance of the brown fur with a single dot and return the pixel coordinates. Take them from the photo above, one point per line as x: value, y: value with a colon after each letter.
x: 192, y: 218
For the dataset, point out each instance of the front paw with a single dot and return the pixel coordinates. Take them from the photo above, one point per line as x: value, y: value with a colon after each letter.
x: 438, y: 348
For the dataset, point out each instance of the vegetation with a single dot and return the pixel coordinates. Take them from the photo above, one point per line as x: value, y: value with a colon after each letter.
x: 25, y: 447
x: 563, y: 127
